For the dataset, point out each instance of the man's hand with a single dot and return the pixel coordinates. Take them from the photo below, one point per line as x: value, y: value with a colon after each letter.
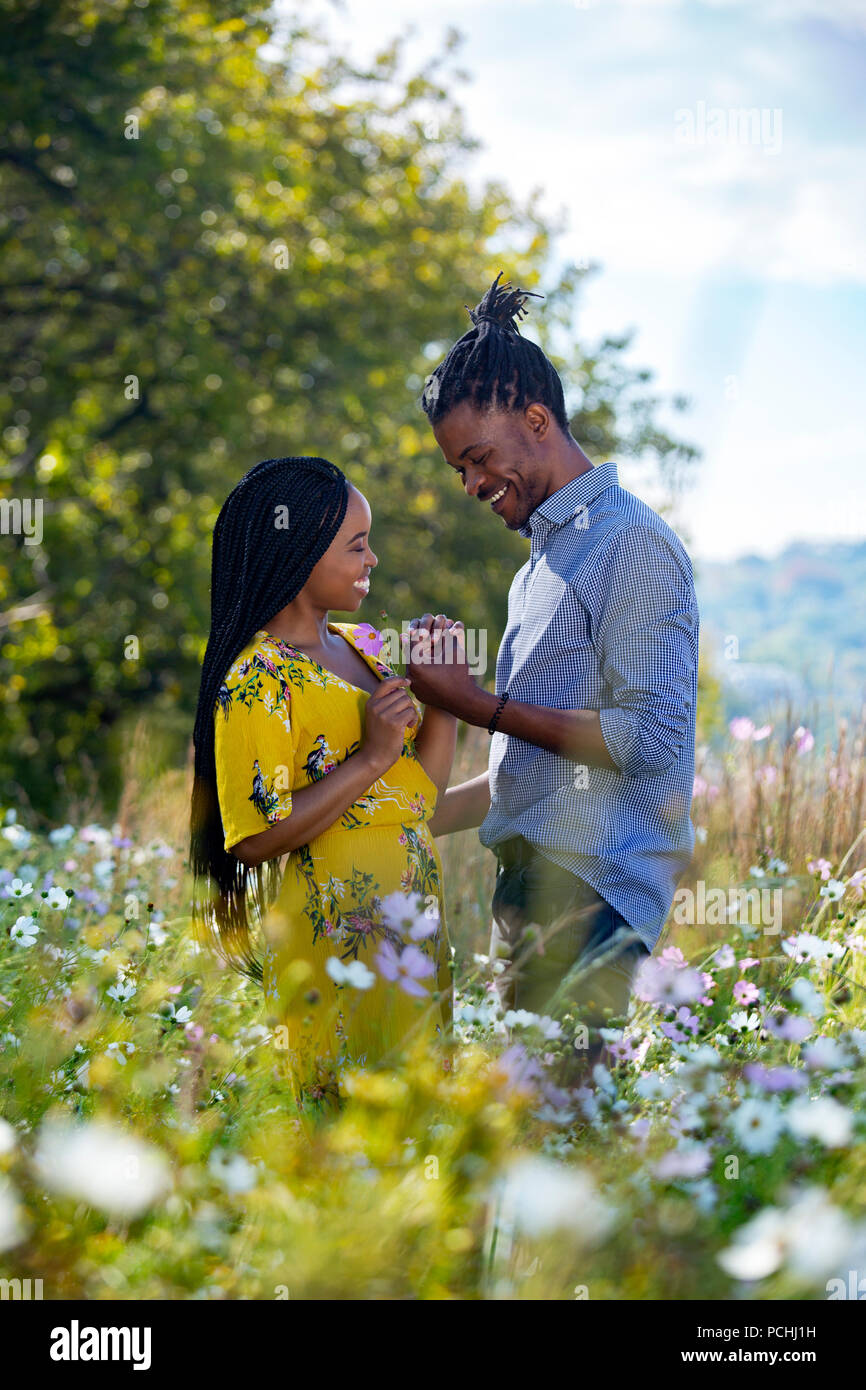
x: 437, y: 667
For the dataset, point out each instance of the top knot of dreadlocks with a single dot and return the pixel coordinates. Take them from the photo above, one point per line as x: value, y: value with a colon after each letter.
x: 492, y: 365
x: 273, y: 528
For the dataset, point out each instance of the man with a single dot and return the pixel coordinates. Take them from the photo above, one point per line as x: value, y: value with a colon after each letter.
x: 586, y: 799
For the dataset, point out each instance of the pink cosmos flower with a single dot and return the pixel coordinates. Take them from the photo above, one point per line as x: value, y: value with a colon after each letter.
x: 748, y: 961
x: 762, y: 733
x: 822, y: 865
x: 741, y: 728
x: 368, y: 639
x: 804, y: 740
x: 407, y: 968
x: 766, y: 775
x: 745, y: 992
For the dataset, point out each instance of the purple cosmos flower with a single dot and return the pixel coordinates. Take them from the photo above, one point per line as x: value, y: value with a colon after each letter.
x: 685, y: 1020
x: 521, y: 1072
x: 406, y: 968
x: 368, y: 639
x: 691, y: 1161
x: 790, y: 1027
x: 774, y: 1078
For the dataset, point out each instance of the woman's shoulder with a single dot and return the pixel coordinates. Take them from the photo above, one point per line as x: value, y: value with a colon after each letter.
x: 258, y: 677
x: 263, y: 653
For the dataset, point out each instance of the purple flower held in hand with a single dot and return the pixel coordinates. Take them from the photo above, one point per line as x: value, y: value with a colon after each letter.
x: 407, y: 968
x: 368, y: 639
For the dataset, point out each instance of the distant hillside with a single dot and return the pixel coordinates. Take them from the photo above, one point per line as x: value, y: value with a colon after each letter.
x: 800, y: 623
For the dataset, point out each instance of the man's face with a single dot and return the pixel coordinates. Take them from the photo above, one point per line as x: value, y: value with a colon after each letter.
x: 499, y: 455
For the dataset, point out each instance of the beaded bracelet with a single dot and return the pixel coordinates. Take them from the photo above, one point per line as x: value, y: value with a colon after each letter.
x: 491, y: 727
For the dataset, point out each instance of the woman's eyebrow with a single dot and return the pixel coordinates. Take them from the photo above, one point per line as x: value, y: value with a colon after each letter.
x: 356, y: 538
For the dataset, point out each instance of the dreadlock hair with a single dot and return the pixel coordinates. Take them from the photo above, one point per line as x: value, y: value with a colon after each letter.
x: 257, y: 568
x: 493, y: 365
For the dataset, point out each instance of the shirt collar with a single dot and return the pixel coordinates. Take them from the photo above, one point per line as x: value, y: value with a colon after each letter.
x: 561, y: 505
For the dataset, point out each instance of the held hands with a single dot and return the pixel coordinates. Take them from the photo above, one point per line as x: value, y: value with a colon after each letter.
x: 437, y: 665
x: 389, y: 711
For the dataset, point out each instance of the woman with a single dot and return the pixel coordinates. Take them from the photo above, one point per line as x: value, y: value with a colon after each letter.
x: 307, y: 745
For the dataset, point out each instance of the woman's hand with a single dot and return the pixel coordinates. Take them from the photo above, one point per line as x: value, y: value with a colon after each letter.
x: 387, y: 714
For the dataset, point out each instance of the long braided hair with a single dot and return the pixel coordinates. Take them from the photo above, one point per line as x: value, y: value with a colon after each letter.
x: 272, y: 529
x: 493, y: 365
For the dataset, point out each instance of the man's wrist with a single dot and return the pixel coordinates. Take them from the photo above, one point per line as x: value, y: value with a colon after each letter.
x: 479, y: 708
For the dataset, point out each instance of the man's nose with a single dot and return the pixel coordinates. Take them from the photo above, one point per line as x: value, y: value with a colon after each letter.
x: 472, y: 483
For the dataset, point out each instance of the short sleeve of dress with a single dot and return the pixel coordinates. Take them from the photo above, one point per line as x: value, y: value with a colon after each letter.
x: 254, y: 746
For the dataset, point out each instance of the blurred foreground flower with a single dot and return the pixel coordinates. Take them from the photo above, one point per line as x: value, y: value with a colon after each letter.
x: 98, y: 1163
x: 355, y: 973
x: 538, y: 1197
x: 810, y: 1239
x: 12, y: 1228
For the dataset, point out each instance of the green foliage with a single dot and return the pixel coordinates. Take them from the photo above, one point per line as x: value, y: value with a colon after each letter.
x: 215, y: 255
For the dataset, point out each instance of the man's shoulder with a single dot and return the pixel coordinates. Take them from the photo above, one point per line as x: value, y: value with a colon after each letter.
x: 626, y: 517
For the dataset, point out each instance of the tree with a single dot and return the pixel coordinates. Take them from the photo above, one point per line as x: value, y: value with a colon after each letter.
x: 214, y: 256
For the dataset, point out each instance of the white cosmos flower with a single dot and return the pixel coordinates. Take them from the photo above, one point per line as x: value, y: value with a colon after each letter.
x: 757, y: 1125
x: 19, y: 888
x: 61, y: 834
x: 806, y: 995
x: 826, y: 1054
x: 758, y: 1248
x: 540, y: 1196
x: 8, y: 1137
x: 58, y: 899
x: 23, y: 931
x: 233, y: 1171
x: 100, y: 1164
x: 121, y: 990
x: 810, y: 1239
x: 18, y: 837
x: 743, y: 1022
x: 356, y: 973
x: 522, y: 1018
x: 821, y: 1118
x: 833, y: 889
x: 805, y: 943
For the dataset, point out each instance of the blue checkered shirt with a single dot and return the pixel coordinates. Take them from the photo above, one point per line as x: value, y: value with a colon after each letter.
x: 603, y: 616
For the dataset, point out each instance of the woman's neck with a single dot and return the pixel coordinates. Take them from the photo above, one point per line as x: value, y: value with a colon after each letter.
x: 301, y: 627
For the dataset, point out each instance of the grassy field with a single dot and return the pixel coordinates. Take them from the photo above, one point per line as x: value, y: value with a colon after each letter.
x: 148, y: 1148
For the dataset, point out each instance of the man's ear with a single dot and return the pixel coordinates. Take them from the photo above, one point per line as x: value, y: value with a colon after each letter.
x: 537, y: 418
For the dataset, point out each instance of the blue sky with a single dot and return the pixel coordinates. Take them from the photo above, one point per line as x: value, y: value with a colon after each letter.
x: 735, y: 246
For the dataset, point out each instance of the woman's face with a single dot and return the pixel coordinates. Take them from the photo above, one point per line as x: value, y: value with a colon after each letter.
x: 341, y: 580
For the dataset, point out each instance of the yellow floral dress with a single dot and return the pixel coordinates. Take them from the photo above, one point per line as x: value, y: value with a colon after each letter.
x: 357, y: 957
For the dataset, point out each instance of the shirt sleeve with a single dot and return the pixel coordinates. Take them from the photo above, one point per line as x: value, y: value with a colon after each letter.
x: 646, y: 617
x: 254, y: 745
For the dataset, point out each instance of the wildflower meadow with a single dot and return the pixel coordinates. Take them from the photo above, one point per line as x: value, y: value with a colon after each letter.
x: 148, y: 1150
